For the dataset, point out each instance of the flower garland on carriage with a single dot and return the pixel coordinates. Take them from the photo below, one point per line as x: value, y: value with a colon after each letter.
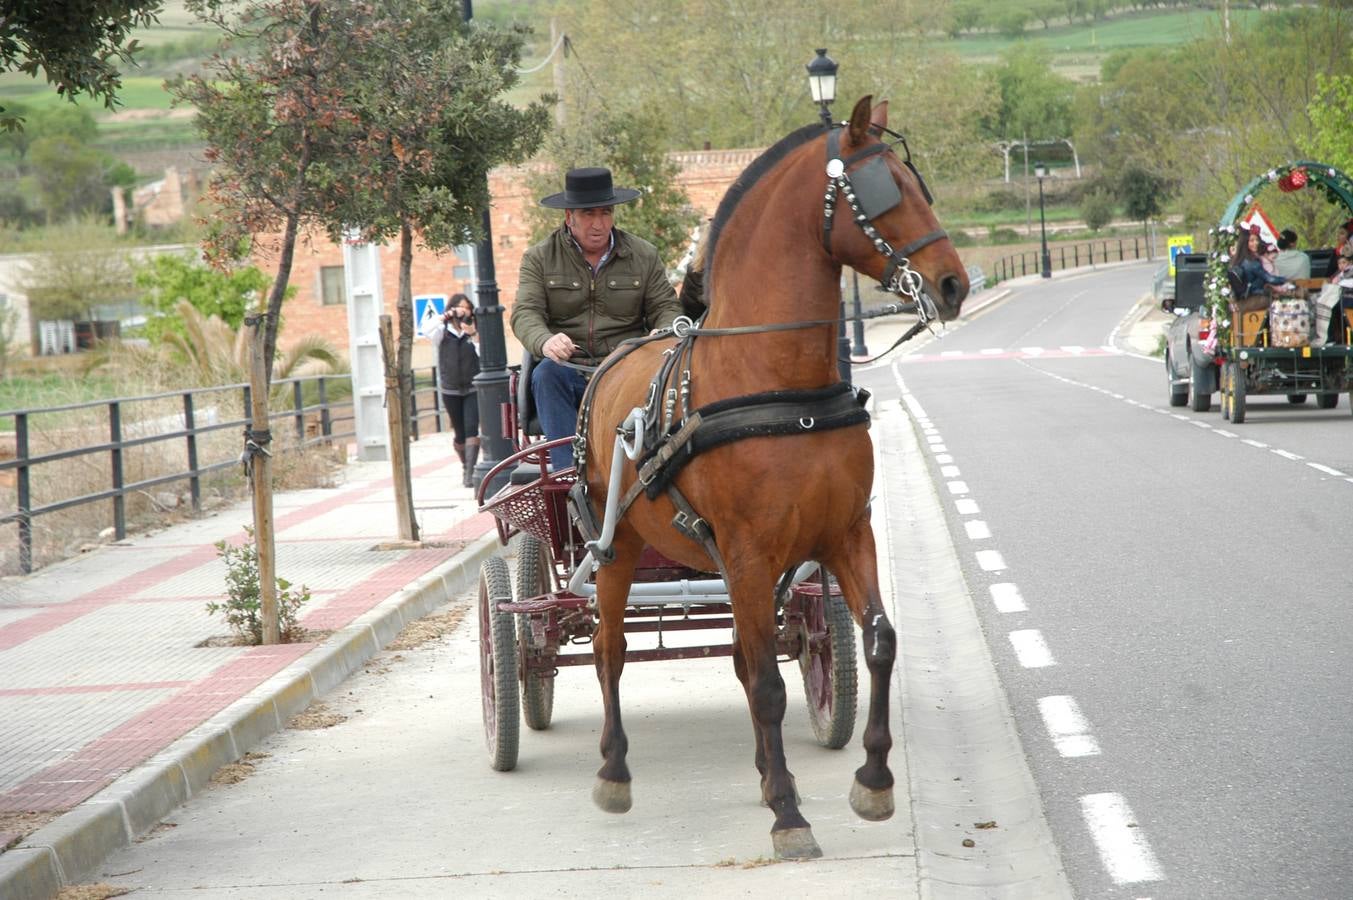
x: 1334, y: 184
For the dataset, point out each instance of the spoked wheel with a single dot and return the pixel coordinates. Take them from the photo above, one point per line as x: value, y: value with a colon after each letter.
x: 498, y: 666
x: 828, y: 665
x: 1237, y: 394
x: 534, y: 578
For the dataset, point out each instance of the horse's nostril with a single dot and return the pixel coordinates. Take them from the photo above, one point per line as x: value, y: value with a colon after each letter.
x: 951, y: 287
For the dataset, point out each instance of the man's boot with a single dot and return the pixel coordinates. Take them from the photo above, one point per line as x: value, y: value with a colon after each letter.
x: 471, y: 457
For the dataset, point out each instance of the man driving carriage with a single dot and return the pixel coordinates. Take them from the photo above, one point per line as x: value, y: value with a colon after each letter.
x: 582, y: 291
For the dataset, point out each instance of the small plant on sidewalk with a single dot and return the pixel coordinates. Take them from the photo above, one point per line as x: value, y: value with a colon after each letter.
x: 243, y: 608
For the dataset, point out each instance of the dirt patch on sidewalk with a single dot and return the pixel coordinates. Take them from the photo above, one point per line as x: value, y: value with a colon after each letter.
x: 14, y: 827
x: 428, y: 628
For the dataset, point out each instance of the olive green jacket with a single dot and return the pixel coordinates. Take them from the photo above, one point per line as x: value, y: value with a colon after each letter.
x: 557, y: 292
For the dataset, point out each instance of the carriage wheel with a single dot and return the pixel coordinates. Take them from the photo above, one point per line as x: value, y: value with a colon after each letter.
x: 498, y: 666
x: 1237, y: 394
x: 829, y: 675
x: 534, y: 578
x: 1224, y: 382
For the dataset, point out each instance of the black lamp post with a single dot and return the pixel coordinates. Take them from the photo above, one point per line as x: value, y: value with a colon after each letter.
x: 822, y: 87
x: 1041, y: 172
x: 491, y: 384
x: 858, y: 325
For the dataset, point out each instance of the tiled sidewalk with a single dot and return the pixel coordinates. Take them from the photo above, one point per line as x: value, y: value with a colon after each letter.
x: 101, y: 656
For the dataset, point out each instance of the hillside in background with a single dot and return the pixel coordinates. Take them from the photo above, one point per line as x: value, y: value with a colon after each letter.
x: 148, y: 134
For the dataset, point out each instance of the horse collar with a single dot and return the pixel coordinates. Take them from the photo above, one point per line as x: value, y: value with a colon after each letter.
x: 873, y: 195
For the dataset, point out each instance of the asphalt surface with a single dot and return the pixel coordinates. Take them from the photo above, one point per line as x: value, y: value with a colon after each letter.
x: 1166, y: 602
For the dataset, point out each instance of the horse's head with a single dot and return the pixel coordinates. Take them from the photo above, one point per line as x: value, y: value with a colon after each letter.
x: 878, y: 218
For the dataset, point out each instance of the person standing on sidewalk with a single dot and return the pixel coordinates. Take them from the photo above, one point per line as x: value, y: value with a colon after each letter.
x: 454, y: 340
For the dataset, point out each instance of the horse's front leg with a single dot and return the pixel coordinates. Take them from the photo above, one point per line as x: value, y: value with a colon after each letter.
x: 612, y: 790
x: 856, y: 569
x: 755, y: 659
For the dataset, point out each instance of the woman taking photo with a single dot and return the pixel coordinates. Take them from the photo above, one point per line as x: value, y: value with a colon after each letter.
x: 454, y: 339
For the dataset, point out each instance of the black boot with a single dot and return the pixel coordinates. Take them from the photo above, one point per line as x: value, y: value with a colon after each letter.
x: 471, y: 457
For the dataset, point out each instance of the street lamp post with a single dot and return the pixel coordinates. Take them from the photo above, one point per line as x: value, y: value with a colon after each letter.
x: 491, y: 384
x: 1041, y: 172
x: 859, y: 349
x: 822, y: 87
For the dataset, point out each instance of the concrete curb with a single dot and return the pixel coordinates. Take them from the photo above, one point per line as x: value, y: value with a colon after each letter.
x: 964, y: 758
x: 73, y: 845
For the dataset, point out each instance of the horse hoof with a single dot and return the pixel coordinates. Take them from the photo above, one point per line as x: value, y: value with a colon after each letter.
x: 612, y: 796
x: 795, y: 843
x: 871, y: 804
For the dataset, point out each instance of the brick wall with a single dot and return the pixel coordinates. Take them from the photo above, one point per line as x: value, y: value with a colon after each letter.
x: 705, y: 176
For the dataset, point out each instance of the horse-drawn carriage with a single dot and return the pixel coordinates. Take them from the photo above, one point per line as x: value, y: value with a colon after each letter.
x: 1295, y: 343
x: 735, y: 472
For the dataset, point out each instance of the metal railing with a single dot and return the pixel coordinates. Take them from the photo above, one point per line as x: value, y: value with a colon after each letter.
x: 1073, y: 256
x: 320, y: 412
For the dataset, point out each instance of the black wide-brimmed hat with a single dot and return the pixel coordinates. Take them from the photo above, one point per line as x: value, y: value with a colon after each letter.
x: 587, y: 188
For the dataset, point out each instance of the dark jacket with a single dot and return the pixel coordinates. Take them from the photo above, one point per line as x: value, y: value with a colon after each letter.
x: 457, y: 360
x: 1255, y: 276
x: 693, y: 294
x: 557, y: 292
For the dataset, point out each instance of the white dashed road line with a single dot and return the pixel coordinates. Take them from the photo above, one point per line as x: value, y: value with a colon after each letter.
x: 1066, y: 726
x: 977, y: 530
x: 1122, y: 846
x: 1030, y: 649
x: 990, y: 560
x: 1006, y: 597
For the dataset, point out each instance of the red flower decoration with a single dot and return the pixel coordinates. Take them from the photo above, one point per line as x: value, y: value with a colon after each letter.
x: 1299, y: 179
x: 1286, y: 185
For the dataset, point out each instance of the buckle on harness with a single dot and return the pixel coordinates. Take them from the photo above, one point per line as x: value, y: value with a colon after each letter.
x: 697, y: 529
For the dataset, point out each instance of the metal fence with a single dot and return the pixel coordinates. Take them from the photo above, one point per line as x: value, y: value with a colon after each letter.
x: 1073, y: 256
x: 176, y: 428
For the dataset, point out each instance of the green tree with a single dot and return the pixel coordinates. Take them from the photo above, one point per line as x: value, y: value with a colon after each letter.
x: 1035, y: 102
x: 432, y: 118
x: 69, y: 177
x: 1143, y: 195
x: 1331, y: 112
x: 90, y: 269
x: 1097, y: 208
x: 77, y: 44
x: 168, y: 280
x: 273, y: 120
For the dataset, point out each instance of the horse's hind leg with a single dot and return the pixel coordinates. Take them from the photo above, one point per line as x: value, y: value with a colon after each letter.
x: 757, y: 667
x: 612, y: 790
x: 856, y: 569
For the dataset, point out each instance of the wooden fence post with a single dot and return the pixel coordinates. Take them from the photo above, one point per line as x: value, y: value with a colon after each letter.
x: 260, y: 470
x: 399, y: 462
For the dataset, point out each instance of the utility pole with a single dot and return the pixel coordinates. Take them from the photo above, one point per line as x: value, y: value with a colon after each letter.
x: 557, y: 68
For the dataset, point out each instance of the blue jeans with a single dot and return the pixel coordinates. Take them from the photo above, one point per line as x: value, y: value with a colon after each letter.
x: 558, y: 391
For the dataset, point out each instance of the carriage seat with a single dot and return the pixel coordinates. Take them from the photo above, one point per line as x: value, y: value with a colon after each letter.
x: 528, y: 421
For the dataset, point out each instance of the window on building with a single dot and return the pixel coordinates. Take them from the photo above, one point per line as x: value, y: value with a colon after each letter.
x: 331, y: 290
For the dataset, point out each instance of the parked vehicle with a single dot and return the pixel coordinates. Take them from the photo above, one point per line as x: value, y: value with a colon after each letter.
x: 1190, y: 366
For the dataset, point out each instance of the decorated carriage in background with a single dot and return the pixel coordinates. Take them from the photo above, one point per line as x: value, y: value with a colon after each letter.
x: 1297, y: 343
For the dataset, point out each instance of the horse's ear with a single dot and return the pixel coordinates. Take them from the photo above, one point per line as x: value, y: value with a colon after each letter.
x: 859, y: 119
x: 878, y: 118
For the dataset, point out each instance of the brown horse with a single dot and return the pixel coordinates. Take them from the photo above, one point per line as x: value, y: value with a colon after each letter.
x: 775, y: 501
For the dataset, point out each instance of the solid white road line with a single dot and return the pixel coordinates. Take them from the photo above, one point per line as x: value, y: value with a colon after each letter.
x: 1122, y: 847
x: 1030, y: 649
x: 1066, y: 726
x: 1006, y: 597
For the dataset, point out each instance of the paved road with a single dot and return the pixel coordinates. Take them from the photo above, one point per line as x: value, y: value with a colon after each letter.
x: 1165, y: 596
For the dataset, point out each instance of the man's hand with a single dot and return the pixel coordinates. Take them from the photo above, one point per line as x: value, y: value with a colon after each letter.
x: 559, y: 347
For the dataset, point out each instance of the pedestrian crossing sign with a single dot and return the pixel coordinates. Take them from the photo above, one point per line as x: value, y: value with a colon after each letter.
x: 427, y: 312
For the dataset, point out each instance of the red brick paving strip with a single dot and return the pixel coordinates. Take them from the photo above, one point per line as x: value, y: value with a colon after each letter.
x: 98, y: 764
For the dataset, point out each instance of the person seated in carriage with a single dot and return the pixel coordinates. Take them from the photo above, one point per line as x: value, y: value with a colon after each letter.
x: 1249, y: 266
x: 581, y: 292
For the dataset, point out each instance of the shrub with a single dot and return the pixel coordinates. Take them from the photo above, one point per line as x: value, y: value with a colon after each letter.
x: 243, y: 607
x: 1097, y: 209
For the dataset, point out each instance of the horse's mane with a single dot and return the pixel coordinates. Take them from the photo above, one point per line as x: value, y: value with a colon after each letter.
x: 749, y: 177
